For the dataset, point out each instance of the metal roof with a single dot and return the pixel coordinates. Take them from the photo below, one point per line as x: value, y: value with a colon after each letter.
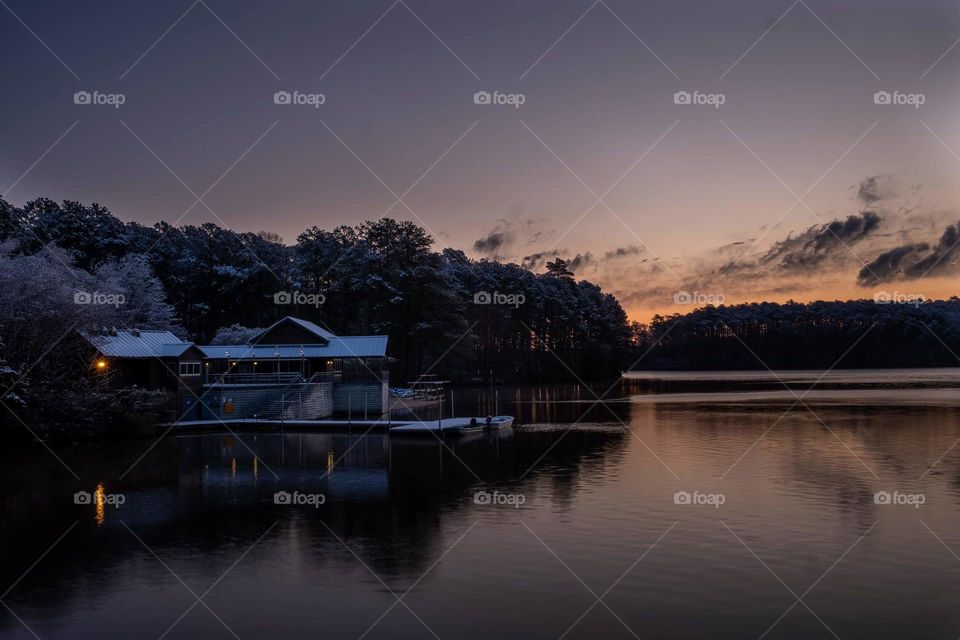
x: 315, y: 329
x: 163, y: 344
x: 174, y: 350
x: 338, y: 347
x: 138, y: 344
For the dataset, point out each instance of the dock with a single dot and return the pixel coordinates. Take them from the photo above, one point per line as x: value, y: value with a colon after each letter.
x: 454, y: 426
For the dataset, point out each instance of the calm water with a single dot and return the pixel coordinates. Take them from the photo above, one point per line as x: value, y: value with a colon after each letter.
x: 584, y: 509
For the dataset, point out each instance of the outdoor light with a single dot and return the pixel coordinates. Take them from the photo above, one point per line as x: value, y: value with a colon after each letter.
x: 101, y: 364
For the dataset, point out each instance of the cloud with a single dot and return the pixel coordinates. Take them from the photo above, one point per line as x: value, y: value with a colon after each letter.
x: 889, y: 264
x: 895, y: 230
x: 915, y: 261
x: 873, y: 189
x: 811, y: 249
x: 491, y: 243
x: 623, y: 252
x: 509, y: 234
x: 581, y: 261
x: 539, y: 259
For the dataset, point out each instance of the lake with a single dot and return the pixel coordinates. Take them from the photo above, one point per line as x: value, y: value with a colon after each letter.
x: 703, y: 505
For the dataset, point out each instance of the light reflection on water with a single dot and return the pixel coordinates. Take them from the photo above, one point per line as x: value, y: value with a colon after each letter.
x: 598, y: 488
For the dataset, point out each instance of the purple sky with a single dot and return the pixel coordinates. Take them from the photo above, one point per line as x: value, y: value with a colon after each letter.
x: 598, y: 83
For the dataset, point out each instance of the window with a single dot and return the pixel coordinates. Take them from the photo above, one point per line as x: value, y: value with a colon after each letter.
x: 189, y: 368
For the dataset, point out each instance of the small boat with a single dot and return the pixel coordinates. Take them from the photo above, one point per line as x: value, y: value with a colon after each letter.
x: 454, y: 426
x: 498, y: 423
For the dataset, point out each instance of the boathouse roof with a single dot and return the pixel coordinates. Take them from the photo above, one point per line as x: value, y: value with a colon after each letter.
x: 117, y: 343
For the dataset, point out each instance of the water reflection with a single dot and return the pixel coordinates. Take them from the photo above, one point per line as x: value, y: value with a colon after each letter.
x: 799, y: 489
x: 99, y: 500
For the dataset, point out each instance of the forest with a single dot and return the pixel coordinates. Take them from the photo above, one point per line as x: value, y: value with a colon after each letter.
x: 817, y: 335
x: 463, y: 319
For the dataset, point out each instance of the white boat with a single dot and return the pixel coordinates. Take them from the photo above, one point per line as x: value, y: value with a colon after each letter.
x: 498, y: 423
x: 454, y: 426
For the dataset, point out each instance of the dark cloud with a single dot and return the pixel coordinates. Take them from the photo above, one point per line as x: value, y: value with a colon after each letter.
x: 581, y: 261
x: 889, y: 264
x: 873, y: 189
x: 623, y: 252
x: 536, y: 260
x: 915, y: 261
x: 491, y: 243
x: 507, y: 234
x: 809, y: 250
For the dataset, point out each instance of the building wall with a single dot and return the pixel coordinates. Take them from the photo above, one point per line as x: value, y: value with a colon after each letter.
x: 360, y: 398
x: 303, y: 401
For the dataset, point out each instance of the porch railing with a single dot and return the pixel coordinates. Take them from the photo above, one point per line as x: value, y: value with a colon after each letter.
x: 252, y: 378
x: 285, y: 378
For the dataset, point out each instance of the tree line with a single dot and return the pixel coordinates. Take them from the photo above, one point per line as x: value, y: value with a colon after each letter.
x: 814, y: 335
x: 444, y: 313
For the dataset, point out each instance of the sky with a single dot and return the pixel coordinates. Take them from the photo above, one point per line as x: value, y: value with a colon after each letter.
x: 784, y: 176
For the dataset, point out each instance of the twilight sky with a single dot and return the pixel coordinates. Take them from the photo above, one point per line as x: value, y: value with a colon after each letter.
x: 648, y: 197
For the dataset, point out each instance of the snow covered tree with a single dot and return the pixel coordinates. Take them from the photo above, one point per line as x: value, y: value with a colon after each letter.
x: 144, y: 300
x: 7, y: 221
x: 234, y: 334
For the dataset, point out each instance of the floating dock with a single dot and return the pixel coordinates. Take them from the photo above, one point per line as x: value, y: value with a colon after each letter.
x: 446, y: 426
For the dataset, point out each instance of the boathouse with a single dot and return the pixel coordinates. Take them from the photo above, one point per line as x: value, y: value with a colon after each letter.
x: 293, y: 369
